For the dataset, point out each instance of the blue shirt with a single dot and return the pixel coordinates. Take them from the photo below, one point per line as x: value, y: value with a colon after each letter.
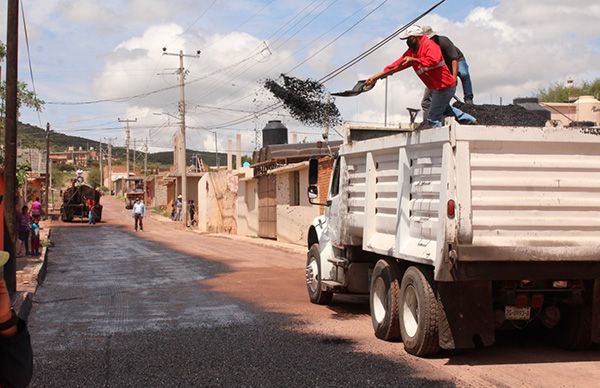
x: 138, y: 208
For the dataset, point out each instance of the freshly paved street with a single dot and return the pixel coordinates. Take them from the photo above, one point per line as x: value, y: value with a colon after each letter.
x: 170, y: 307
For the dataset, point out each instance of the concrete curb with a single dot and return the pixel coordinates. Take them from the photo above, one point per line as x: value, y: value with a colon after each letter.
x: 22, y: 301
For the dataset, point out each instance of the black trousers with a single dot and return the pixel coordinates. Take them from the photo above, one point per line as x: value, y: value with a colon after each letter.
x: 138, y: 220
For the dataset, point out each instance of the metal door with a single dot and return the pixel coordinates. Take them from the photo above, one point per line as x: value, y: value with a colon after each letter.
x: 267, y: 206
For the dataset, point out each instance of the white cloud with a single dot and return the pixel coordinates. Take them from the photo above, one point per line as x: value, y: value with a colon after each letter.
x: 88, y: 11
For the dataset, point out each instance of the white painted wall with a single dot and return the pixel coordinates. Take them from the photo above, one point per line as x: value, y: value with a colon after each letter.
x: 247, y: 208
x: 293, y: 221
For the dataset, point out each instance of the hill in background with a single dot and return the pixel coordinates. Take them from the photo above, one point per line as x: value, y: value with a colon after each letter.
x: 30, y: 136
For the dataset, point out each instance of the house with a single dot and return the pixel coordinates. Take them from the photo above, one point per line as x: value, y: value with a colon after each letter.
x: 584, y: 109
x: 156, y: 191
x: 273, y: 203
x: 78, y: 158
x: 172, y: 186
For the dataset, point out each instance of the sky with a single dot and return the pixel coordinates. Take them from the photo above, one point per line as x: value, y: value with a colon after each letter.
x: 88, y: 50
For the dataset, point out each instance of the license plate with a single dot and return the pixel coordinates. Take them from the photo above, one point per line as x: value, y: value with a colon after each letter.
x: 513, y: 313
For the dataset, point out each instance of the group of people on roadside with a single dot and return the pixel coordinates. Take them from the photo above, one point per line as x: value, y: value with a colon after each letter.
x: 28, y: 228
x: 439, y: 64
x: 177, y: 210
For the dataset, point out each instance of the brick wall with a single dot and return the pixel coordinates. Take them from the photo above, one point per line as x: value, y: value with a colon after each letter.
x: 325, y: 169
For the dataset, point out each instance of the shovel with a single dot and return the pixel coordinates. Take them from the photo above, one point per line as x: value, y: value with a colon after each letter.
x: 356, y: 90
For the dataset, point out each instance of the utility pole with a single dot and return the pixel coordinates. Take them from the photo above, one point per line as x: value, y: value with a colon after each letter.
x: 134, y: 156
x: 146, y: 169
x: 100, y: 164
x: 110, y: 182
x: 10, y: 140
x: 127, y: 121
x: 182, y: 154
x: 146, y: 158
x: 216, y: 151
x: 47, y: 170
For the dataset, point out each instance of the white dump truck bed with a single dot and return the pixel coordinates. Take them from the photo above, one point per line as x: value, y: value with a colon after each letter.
x: 519, y: 194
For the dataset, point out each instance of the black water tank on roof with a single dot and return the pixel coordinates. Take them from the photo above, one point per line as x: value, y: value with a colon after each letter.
x: 274, y: 133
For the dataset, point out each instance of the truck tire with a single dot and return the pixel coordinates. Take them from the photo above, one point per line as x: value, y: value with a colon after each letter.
x: 574, y: 331
x: 384, y: 301
x: 313, y: 278
x: 418, y: 314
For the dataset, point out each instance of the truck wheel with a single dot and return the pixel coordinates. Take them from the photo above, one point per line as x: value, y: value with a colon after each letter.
x: 418, y: 314
x: 574, y: 331
x: 313, y: 278
x: 384, y: 301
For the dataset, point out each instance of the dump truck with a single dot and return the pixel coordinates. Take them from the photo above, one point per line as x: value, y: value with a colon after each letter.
x: 134, y: 190
x: 74, y: 202
x: 459, y: 231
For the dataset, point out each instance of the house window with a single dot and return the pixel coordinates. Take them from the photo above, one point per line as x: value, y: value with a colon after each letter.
x: 295, y: 188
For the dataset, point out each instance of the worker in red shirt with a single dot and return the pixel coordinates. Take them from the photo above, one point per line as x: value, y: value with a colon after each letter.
x: 91, y: 204
x: 425, y: 57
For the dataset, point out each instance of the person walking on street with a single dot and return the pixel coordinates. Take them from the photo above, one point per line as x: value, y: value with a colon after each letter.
x: 178, y: 208
x: 91, y: 204
x: 425, y: 57
x: 457, y: 64
x: 192, y: 211
x: 23, y: 227
x: 138, y: 214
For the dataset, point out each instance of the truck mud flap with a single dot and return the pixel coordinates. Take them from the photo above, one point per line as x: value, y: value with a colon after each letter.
x: 466, y: 317
x: 596, y: 313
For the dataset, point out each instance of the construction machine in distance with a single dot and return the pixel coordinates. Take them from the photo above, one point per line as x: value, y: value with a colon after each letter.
x: 74, y: 201
x: 134, y: 190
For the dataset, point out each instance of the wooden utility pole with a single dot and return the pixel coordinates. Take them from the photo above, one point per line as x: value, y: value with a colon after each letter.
x: 182, y: 155
x: 10, y: 141
x: 127, y: 135
x: 110, y: 181
x: 146, y: 159
x: 47, y: 170
x: 100, y: 164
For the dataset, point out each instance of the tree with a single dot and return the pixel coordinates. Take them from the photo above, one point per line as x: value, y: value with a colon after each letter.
x: 561, y: 93
x: 93, y: 178
x: 24, y: 95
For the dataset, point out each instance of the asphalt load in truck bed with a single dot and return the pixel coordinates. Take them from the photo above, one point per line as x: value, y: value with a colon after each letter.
x: 503, y: 115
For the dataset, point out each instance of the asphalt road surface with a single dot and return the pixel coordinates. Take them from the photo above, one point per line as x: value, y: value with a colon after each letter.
x: 169, y: 307
x: 120, y: 308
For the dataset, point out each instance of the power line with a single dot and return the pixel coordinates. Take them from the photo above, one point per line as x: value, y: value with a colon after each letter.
x: 334, y: 73
x: 29, y: 61
x: 199, y: 17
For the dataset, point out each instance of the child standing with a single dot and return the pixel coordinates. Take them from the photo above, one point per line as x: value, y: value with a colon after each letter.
x: 24, y: 227
x: 35, y: 237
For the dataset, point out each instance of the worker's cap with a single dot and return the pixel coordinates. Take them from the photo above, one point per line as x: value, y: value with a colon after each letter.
x: 427, y: 30
x: 413, y: 30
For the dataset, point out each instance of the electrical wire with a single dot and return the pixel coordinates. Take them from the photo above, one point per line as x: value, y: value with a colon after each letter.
x: 336, y: 72
x: 199, y: 17
x: 29, y: 61
x: 277, y: 105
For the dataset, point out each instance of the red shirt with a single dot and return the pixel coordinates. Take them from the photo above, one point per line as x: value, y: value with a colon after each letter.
x: 430, y: 65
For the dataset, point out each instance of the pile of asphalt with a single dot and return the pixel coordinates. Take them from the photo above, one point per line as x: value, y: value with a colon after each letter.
x: 503, y: 115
